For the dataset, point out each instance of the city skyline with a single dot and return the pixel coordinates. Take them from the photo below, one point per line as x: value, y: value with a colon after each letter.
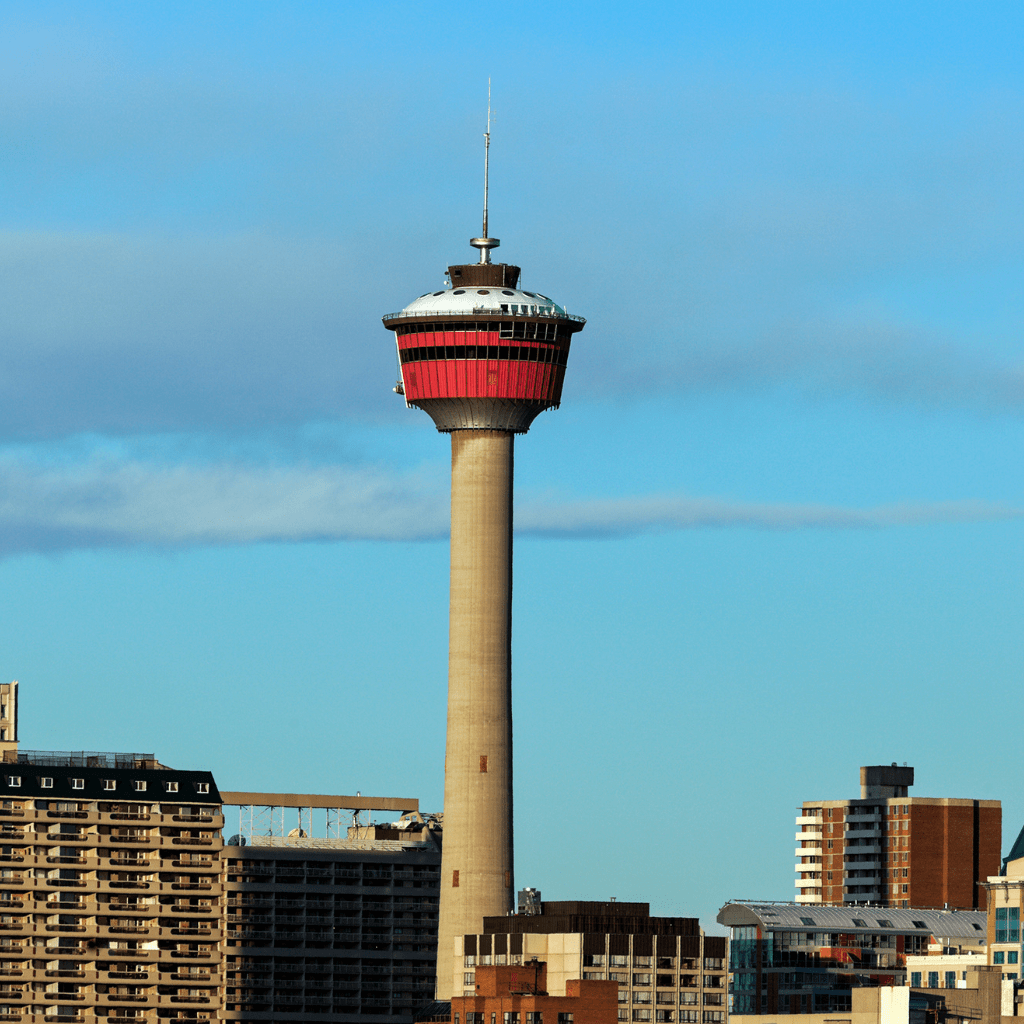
x: 786, y: 469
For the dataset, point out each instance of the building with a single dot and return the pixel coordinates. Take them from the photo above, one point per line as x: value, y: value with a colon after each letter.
x: 343, y: 925
x: 110, y: 898
x: 1005, y: 900
x: 483, y: 358
x: 791, y: 958
x: 8, y: 717
x: 894, y: 849
x: 665, y: 968
x: 520, y: 994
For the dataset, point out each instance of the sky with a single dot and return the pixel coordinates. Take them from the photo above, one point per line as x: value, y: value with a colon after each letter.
x: 775, y: 531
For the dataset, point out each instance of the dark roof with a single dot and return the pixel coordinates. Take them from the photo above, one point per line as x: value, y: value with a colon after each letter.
x: 437, y: 1011
x: 1016, y: 851
x: 591, y: 916
x: 31, y: 777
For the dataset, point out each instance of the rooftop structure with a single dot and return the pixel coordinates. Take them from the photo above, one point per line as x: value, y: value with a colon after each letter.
x: 483, y: 358
x: 896, y: 850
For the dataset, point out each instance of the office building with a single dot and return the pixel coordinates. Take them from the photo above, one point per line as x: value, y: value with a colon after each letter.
x: 791, y: 958
x: 344, y: 924
x: 894, y: 849
x: 109, y: 889
x: 483, y: 358
x: 665, y: 968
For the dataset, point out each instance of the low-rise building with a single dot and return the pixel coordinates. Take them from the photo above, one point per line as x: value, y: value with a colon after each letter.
x: 665, y: 968
x: 790, y: 958
x: 520, y: 995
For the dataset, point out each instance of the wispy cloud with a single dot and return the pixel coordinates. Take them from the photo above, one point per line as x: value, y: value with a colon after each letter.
x: 113, y: 504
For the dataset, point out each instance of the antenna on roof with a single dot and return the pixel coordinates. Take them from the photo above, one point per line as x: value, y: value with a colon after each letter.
x: 486, y: 244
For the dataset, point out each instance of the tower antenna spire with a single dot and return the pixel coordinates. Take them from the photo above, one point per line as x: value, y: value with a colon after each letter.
x: 485, y: 244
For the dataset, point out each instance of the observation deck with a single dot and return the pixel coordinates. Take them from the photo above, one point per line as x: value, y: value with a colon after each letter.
x: 483, y: 354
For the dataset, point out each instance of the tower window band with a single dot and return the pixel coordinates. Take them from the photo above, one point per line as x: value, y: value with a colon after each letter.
x: 530, y: 354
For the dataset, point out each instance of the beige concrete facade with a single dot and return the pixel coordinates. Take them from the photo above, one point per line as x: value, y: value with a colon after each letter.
x: 110, y: 890
x: 476, y: 866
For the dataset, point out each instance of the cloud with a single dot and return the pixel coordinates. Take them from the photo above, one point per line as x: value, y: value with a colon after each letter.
x: 108, y: 503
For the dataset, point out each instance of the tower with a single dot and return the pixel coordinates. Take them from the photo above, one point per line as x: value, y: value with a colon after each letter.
x: 482, y: 358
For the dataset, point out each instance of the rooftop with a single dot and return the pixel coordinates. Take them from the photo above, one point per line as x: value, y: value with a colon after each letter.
x: 853, y: 919
x: 80, y: 759
x: 466, y: 300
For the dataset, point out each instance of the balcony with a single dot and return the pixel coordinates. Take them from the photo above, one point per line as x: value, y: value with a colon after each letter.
x: 807, y: 851
x: 810, y: 835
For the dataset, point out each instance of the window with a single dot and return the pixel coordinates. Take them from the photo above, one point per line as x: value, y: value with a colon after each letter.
x: 688, y: 998
x: 933, y: 979
x: 915, y: 979
x: 642, y: 1015
x: 469, y: 978
x: 511, y: 1017
x: 202, y: 787
x: 1007, y: 924
x: 919, y: 924
x: 534, y: 1017
x: 641, y: 996
x: 77, y: 783
x: 999, y: 957
x: 46, y: 783
x: 139, y: 785
x: 109, y: 784
x: 807, y: 920
x: 860, y: 922
x: 14, y: 781
x: 950, y: 979
x: 1011, y: 956
x: 713, y: 1016
x: 171, y: 787
x: 642, y: 979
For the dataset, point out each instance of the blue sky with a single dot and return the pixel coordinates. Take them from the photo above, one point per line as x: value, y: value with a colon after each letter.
x: 775, y: 530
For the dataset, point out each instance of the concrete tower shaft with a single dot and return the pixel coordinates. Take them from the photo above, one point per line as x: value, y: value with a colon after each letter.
x: 476, y: 859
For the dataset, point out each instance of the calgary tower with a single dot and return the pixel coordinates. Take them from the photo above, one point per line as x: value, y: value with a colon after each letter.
x: 482, y: 358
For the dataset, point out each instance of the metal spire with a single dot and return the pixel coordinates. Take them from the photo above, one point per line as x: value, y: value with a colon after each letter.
x: 486, y: 244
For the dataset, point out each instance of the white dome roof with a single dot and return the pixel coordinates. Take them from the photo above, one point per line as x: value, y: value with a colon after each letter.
x: 484, y: 299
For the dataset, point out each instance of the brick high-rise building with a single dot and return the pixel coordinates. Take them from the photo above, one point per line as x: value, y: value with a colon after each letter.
x: 896, y: 850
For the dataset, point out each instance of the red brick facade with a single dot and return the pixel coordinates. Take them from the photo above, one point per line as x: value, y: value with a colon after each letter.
x: 521, y: 991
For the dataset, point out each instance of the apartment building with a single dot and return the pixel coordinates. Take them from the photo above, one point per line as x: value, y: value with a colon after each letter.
x: 894, y: 849
x: 791, y: 958
x: 109, y: 889
x: 344, y: 924
x: 667, y: 970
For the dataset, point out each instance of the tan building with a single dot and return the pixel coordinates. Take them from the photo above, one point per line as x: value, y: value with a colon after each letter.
x: 894, y: 849
x: 109, y: 889
x: 667, y: 970
x: 1005, y: 895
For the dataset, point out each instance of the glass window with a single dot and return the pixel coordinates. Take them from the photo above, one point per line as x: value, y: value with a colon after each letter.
x: 1011, y: 957
x: 933, y: 979
x: 915, y: 979
x: 950, y: 979
x: 46, y: 783
x: 998, y: 957
x: 14, y: 781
